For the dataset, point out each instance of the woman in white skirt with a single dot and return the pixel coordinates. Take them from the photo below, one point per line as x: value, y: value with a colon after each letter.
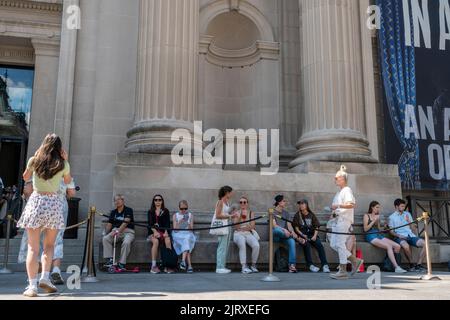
x: 44, y: 210
x: 184, y: 241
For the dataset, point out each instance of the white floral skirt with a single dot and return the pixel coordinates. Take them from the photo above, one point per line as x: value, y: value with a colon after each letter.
x: 43, y: 211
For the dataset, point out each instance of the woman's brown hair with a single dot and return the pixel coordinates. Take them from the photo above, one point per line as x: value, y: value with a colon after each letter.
x: 48, y: 160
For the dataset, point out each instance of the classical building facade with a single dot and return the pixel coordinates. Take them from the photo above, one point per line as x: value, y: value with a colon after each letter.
x: 134, y: 71
x: 115, y: 78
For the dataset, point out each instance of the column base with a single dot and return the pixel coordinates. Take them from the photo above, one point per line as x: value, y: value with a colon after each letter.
x: 155, y: 136
x: 333, y: 145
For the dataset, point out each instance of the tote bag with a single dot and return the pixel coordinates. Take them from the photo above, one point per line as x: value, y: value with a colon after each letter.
x: 219, y: 223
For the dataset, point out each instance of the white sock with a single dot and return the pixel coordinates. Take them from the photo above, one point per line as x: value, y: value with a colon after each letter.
x: 45, y: 275
x: 33, y: 282
x: 56, y: 270
x: 153, y: 263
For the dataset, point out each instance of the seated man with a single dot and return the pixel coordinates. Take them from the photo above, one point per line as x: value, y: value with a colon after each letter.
x: 404, y: 236
x: 120, y: 225
x: 284, y: 233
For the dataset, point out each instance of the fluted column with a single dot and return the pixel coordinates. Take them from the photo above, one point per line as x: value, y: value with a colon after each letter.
x: 167, y: 73
x: 334, y: 126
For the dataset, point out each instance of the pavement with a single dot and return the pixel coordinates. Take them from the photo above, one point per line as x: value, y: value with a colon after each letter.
x: 236, y: 286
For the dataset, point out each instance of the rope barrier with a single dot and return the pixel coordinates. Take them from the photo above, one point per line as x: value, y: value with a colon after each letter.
x: 278, y: 216
x: 357, y: 233
x: 76, y: 225
x: 192, y: 230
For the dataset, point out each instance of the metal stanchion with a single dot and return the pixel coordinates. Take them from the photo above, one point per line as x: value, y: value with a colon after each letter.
x: 429, y: 275
x: 5, y: 269
x: 270, y: 277
x: 91, y: 276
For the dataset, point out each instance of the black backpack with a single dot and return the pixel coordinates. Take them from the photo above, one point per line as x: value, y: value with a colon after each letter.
x: 281, y: 263
x: 169, y: 258
x: 387, y: 264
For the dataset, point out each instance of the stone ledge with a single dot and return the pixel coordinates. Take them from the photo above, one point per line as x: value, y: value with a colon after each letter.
x: 205, y: 253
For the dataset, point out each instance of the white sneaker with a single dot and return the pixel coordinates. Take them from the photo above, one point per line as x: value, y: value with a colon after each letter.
x: 313, y: 268
x: 400, y: 270
x: 254, y: 270
x: 31, y: 292
x: 223, y: 271
x: 47, y: 286
x: 326, y: 269
x: 246, y: 270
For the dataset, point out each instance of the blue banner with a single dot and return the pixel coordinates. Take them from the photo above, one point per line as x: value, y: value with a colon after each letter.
x: 415, y: 57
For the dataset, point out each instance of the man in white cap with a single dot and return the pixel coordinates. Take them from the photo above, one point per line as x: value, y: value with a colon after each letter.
x: 343, y: 207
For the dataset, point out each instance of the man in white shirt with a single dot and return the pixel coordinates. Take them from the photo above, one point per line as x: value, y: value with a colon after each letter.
x: 404, y: 236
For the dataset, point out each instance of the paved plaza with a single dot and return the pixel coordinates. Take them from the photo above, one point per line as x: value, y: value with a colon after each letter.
x: 235, y: 286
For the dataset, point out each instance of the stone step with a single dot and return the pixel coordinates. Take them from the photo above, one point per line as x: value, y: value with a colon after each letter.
x: 205, y: 253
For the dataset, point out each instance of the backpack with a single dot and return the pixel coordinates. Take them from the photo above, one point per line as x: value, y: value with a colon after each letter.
x: 387, y: 264
x: 169, y: 258
x: 281, y: 263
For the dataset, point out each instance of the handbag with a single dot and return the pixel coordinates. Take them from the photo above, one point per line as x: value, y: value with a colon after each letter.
x: 216, y: 223
x: 256, y: 235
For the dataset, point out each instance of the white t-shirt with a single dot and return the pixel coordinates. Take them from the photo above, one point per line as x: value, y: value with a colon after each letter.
x: 343, y: 197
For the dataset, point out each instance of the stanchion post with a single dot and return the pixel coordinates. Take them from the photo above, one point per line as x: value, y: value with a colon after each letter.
x: 90, y: 278
x: 5, y: 269
x: 271, y: 277
x: 429, y: 275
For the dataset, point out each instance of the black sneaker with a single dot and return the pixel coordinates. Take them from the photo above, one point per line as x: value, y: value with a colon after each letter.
x: 420, y: 268
x: 56, y: 279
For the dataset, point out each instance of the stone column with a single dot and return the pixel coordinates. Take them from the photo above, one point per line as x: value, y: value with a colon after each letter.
x: 44, y: 91
x: 334, y: 125
x: 167, y: 73
x: 66, y: 76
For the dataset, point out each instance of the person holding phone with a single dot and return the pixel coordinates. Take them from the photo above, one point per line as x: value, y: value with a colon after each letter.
x: 343, y: 206
x: 284, y: 232
x: 244, y: 234
x: 305, y: 224
x: 158, y: 217
x: 372, y: 226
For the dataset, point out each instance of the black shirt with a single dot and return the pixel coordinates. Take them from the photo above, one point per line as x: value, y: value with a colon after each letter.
x: 118, y: 218
x: 163, y: 220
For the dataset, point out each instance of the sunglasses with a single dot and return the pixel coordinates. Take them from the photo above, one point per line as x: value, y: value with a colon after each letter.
x: 158, y: 200
x: 243, y: 202
x: 183, y: 209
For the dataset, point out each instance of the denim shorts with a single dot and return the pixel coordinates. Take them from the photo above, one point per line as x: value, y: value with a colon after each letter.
x: 412, y: 241
x: 372, y: 235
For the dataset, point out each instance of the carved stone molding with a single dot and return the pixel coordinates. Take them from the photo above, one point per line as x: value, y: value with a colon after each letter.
x: 53, y: 6
x: 17, y: 55
x: 46, y: 47
x: 260, y: 50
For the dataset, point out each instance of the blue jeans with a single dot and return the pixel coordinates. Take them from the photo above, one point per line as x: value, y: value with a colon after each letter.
x: 279, y: 236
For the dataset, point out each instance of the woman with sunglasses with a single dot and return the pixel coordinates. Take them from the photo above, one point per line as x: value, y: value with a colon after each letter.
x: 184, y: 241
x: 246, y: 234
x: 159, y: 222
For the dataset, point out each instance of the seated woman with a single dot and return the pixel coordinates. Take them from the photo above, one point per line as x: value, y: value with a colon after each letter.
x: 379, y: 240
x: 158, y: 217
x: 246, y: 234
x: 184, y: 241
x: 305, y: 226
